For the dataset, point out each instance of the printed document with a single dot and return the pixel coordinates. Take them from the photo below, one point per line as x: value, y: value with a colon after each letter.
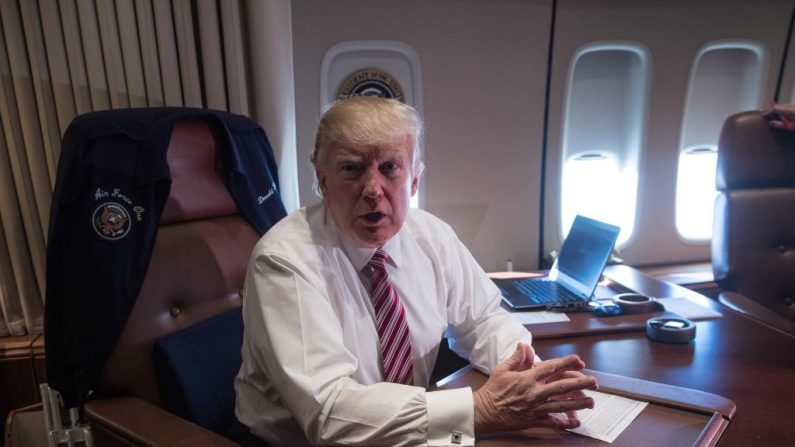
x: 609, y: 417
x: 540, y: 316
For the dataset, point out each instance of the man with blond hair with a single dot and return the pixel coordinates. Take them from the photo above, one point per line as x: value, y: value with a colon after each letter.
x: 346, y: 303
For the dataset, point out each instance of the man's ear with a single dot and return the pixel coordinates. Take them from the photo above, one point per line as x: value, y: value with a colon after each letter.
x: 415, y: 183
x: 321, y: 181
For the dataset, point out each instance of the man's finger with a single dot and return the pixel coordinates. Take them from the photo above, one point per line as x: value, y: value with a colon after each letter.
x: 564, y: 387
x: 554, y: 421
x: 565, y: 406
x: 571, y: 395
x: 570, y: 375
x: 512, y: 363
x: 549, y: 368
x: 566, y: 374
x: 529, y: 357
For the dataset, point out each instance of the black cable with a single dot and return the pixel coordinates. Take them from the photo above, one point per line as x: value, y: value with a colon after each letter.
x: 545, y: 135
x: 784, y: 56
x: 32, y: 354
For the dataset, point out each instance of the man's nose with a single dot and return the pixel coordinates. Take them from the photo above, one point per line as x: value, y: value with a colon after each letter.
x: 373, y: 187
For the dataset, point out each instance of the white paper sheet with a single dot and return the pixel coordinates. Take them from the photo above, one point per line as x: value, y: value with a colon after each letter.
x: 609, y: 417
x: 688, y: 309
x: 540, y: 316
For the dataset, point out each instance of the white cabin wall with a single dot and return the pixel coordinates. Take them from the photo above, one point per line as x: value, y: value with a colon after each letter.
x: 673, y: 32
x: 484, y: 65
x: 483, y: 75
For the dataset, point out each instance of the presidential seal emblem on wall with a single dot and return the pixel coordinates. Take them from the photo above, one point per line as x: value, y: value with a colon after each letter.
x: 111, y: 221
x: 371, y: 82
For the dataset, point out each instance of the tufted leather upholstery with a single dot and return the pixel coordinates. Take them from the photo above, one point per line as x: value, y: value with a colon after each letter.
x: 753, y: 245
x: 196, y: 272
x: 198, y: 262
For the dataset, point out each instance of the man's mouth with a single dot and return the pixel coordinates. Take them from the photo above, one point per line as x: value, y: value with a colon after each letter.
x: 374, y: 217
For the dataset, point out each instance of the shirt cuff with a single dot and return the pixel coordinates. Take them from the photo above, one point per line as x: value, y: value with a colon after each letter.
x: 451, y: 417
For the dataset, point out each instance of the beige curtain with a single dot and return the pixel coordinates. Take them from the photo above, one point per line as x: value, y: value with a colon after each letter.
x: 61, y: 58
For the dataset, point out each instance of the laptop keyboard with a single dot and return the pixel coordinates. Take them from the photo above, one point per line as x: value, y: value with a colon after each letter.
x: 544, y: 292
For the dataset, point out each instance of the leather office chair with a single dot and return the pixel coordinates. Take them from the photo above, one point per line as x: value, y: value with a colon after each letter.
x: 169, y: 378
x: 753, y: 243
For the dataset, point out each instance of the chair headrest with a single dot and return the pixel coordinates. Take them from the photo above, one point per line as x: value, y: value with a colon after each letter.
x: 198, y: 175
x: 753, y: 155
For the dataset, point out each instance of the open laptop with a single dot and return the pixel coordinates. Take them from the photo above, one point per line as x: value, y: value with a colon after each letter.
x: 575, y: 274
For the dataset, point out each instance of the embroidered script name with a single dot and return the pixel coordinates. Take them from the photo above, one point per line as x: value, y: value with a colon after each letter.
x: 261, y: 199
x: 116, y: 193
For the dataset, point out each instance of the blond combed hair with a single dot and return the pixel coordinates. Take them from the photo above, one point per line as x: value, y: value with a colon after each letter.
x: 367, y: 121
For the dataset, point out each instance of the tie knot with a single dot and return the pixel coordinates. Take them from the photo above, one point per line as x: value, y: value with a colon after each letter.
x: 378, y: 261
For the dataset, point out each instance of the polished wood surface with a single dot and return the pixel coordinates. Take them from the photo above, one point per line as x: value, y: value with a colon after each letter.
x: 734, y: 357
x: 674, y: 416
x: 586, y: 323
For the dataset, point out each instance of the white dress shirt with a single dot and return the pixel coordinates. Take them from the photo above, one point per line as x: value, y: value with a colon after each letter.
x: 312, y: 370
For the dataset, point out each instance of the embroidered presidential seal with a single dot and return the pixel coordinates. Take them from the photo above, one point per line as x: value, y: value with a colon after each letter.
x: 111, y: 221
x: 371, y: 82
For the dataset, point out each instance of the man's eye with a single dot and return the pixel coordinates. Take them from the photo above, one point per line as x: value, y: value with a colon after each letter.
x: 390, y: 166
x: 349, y: 170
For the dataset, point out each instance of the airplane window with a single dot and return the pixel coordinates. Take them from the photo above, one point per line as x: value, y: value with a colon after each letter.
x: 726, y: 78
x: 595, y: 186
x: 603, y: 122
x: 695, y: 192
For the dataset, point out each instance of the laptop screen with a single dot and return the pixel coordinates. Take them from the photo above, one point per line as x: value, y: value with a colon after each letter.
x: 584, y: 254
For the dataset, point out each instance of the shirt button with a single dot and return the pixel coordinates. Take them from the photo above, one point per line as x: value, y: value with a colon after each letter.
x: 174, y: 312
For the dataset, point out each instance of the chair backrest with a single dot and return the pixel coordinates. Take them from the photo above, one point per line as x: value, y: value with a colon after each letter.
x: 753, y: 244
x: 190, y: 297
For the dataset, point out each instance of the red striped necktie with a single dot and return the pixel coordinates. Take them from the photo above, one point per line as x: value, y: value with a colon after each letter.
x: 393, y: 329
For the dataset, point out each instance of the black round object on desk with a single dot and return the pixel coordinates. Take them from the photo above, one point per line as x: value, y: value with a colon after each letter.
x: 670, y: 329
x: 636, y: 303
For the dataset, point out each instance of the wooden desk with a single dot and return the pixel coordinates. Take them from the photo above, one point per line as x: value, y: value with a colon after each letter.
x: 734, y: 357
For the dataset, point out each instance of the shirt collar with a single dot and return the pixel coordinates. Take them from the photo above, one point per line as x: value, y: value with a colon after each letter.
x: 358, y: 255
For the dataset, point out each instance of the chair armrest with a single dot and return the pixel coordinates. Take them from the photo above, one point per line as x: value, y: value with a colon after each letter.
x: 744, y: 305
x: 131, y: 421
x: 11, y: 420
